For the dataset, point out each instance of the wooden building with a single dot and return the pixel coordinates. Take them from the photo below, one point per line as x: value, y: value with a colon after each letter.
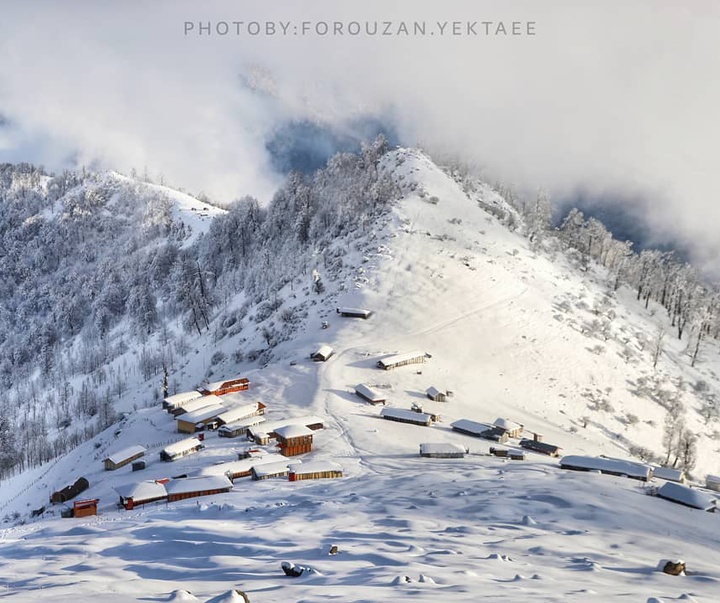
x: 191, y: 487
x: 322, y: 354
x: 541, y: 447
x: 229, y: 386
x: 436, y: 395
x: 123, y: 457
x: 631, y: 469
x: 272, y: 470
x: 181, y: 449
x: 480, y: 430
x: 294, y: 439
x: 240, y: 428
x: 354, y: 312
x: 370, y: 394
x: 443, y: 451
x: 198, y: 420
x: 135, y: 495
x: 513, y: 430
x: 509, y: 453
x: 172, y: 402
x: 314, y: 470
x: 240, y: 468
x: 397, y: 360
x: 406, y: 416
x: 85, y: 508
x: 669, y: 474
x: 264, y: 432
x: 69, y: 492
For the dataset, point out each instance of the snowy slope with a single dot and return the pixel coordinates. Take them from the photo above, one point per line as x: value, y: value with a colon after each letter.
x: 506, y: 331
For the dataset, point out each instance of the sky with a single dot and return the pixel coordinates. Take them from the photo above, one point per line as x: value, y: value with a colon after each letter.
x: 612, y: 98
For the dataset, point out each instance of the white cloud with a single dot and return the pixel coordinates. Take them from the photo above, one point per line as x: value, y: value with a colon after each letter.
x: 606, y: 96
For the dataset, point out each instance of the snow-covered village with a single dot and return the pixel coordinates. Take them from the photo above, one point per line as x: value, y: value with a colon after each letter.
x: 382, y: 368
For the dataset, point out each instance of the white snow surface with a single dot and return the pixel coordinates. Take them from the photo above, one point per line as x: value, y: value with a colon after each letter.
x: 448, y: 278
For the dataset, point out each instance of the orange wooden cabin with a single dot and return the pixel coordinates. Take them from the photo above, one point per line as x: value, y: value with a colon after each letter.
x: 85, y: 508
x: 219, y: 388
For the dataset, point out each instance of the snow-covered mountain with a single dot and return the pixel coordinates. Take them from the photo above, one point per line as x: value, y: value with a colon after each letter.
x: 516, y: 329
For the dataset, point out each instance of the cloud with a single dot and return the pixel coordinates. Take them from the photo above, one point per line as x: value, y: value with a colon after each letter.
x: 611, y: 97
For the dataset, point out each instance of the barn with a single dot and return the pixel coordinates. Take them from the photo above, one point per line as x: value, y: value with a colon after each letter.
x: 314, y: 470
x: 181, y: 449
x: 369, y: 394
x: 172, y: 402
x: 70, y: 492
x: 229, y: 386
x: 435, y: 394
x: 239, y: 428
x: 191, y: 487
x: 443, y: 451
x: 322, y: 354
x: 620, y: 467
x: 199, y: 419
x: 541, y: 447
x: 135, y: 495
x: 354, y: 313
x: 123, y: 457
x: 294, y: 439
x: 396, y: 360
x: 687, y: 496
x: 406, y: 416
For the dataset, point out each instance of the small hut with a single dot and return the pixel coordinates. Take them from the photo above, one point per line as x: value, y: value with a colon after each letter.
x: 314, y: 470
x: 354, y: 313
x: 69, y: 492
x: 228, y: 386
x: 181, y: 449
x: 712, y: 482
x: 402, y: 415
x: 191, y: 487
x: 436, y: 395
x: 687, y: 496
x: 397, y: 360
x: 85, y: 508
x: 294, y: 439
x: 368, y: 393
x: 541, y: 447
x: 322, y: 354
x: 443, y: 451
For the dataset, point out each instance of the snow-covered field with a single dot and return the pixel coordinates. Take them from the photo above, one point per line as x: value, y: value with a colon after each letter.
x: 507, y: 332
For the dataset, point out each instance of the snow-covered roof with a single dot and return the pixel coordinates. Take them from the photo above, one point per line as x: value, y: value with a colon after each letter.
x: 606, y: 465
x: 273, y: 468
x: 319, y: 466
x: 198, y: 484
x: 235, y: 413
x: 141, y: 491
x: 240, y: 466
x: 687, y: 496
x: 178, y: 399
x: 433, y: 391
x: 674, y: 475
x: 396, y: 358
x: 269, y: 426
x: 324, y: 350
x: 126, y: 453
x: 359, y: 311
x: 407, y: 415
x: 293, y: 431
x: 216, y: 385
x: 202, y: 414
x: 246, y: 422
x: 442, y: 448
x: 182, y: 446
x: 507, y: 425
x: 712, y: 479
x: 470, y: 426
x: 368, y: 392
x: 199, y: 403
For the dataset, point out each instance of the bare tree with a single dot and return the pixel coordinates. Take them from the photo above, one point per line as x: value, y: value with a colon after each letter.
x: 658, y: 344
